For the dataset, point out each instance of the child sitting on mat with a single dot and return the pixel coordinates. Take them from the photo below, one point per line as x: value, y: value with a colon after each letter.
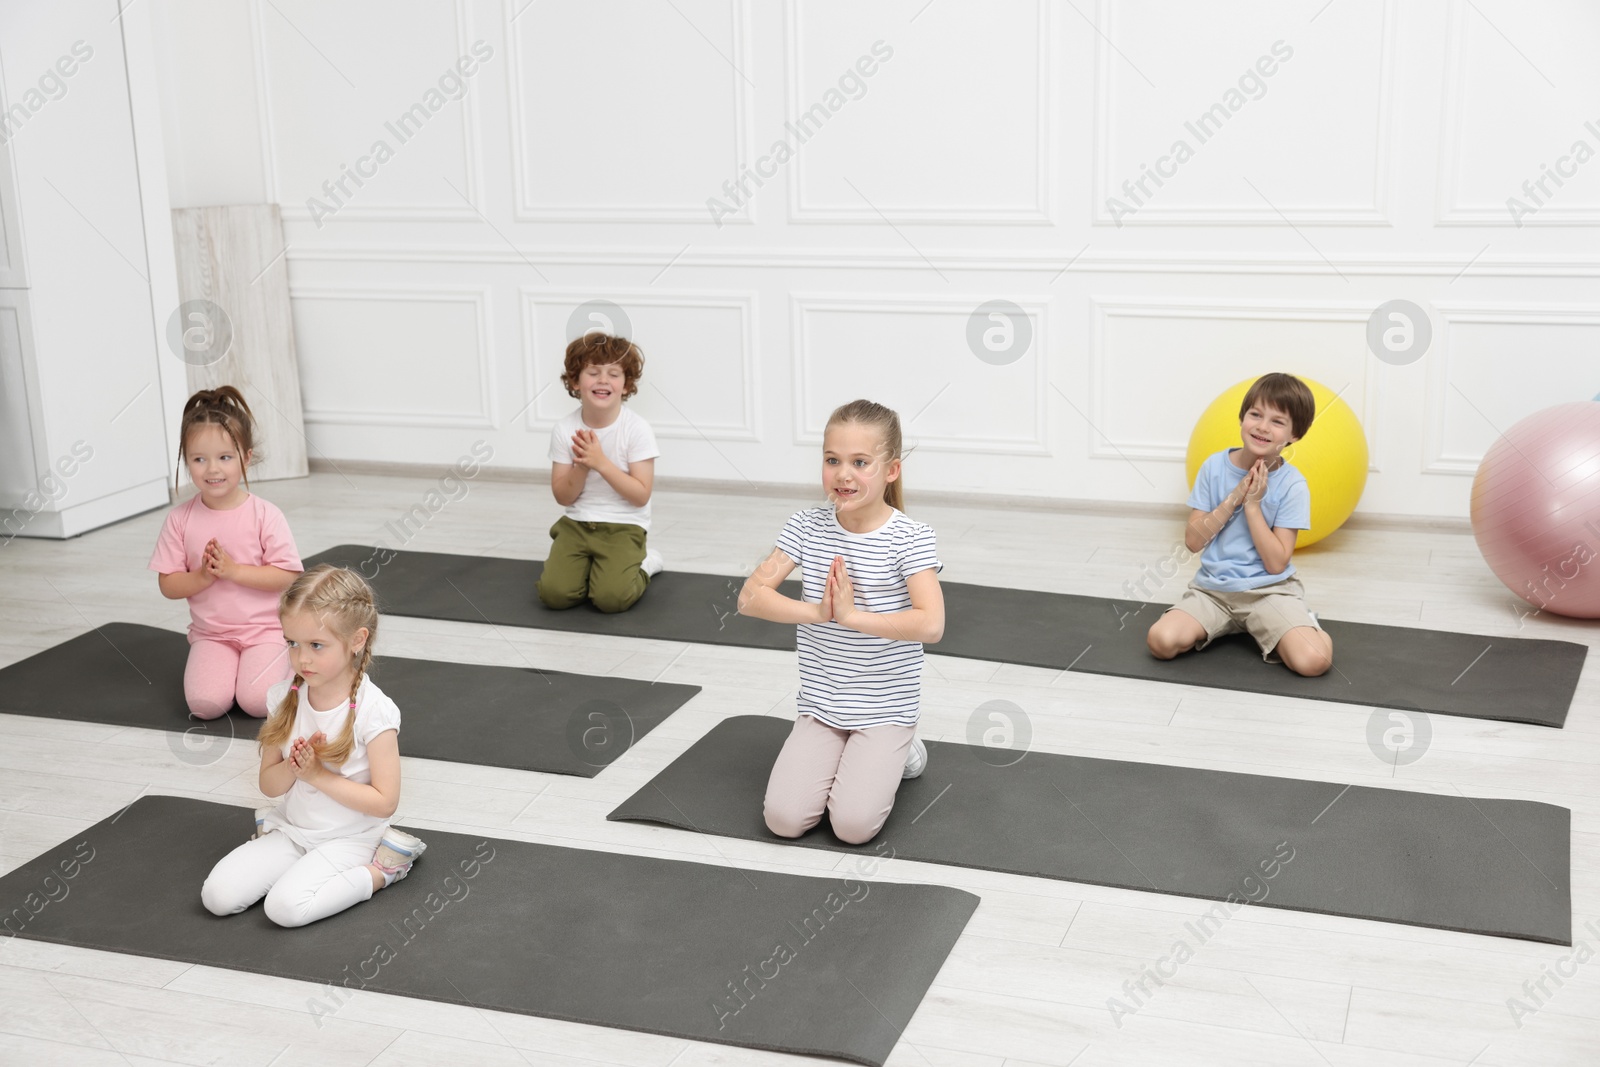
x: 603, y: 460
x: 229, y: 553
x: 328, y: 844
x: 1249, y: 505
x: 871, y: 600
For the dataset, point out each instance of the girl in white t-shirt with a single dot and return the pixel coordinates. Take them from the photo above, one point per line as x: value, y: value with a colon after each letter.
x: 328, y: 844
x: 870, y: 601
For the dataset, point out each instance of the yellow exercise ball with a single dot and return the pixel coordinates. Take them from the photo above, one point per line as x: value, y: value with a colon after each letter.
x: 1333, y: 455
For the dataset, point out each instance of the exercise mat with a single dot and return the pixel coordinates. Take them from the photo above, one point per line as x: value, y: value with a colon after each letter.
x: 125, y: 674
x: 829, y: 966
x: 1497, y: 867
x: 1510, y: 679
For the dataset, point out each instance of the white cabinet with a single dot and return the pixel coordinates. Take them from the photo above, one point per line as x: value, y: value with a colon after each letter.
x: 82, y: 439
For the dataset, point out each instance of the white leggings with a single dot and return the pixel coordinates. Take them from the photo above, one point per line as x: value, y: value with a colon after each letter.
x: 301, y: 887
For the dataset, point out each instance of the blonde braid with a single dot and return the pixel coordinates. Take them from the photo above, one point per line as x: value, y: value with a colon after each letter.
x: 339, y: 751
x: 279, y: 726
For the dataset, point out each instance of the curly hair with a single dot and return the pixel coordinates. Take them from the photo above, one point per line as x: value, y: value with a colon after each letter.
x: 600, y: 349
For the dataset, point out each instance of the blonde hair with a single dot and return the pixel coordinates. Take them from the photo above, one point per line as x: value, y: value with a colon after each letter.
x: 887, y: 423
x: 343, y: 601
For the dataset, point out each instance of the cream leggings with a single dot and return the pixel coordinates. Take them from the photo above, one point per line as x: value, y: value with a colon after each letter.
x: 852, y: 774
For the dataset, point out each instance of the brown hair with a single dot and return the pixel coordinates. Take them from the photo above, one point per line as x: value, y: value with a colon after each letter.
x: 1286, y: 393
x: 887, y: 423
x: 224, y: 407
x: 599, y: 348
x: 341, y: 599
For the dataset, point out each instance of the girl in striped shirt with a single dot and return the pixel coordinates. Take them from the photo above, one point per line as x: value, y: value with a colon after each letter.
x: 870, y: 601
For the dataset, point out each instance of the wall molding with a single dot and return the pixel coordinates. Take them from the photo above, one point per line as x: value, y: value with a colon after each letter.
x: 806, y: 433
x: 1039, y: 214
x: 357, y: 211
x: 1436, y: 391
x: 1048, y: 263
x: 476, y: 296
x: 1375, y: 213
x: 1104, y: 446
x: 1450, y: 211
x: 524, y: 209
x: 748, y: 429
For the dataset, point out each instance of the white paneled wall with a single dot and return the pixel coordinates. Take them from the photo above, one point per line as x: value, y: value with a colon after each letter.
x: 1258, y: 111
x: 799, y: 203
x: 711, y: 397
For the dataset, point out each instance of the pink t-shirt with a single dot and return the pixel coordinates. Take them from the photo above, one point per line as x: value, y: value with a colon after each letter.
x: 254, y: 533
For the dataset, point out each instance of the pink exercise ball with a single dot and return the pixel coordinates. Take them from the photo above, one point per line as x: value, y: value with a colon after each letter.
x: 1536, y: 509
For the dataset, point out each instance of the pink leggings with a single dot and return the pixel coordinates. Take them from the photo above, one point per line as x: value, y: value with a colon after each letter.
x: 854, y: 774
x: 220, y: 672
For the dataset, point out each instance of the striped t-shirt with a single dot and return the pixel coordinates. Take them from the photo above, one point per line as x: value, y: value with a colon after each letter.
x: 848, y: 679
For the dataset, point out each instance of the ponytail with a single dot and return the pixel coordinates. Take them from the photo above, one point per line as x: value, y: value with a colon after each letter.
x: 224, y: 407
x: 887, y: 423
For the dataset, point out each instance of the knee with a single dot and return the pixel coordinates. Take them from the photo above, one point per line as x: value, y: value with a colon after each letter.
x: 611, y: 603
x: 786, y: 822
x: 254, y: 703
x: 281, y: 911
x: 558, y: 601
x: 1161, y: 646
x: 1310, y: 667
x: 1310, y: 658
x: 218, y: 901
x: 208, y: 707
x: 853, y: 830
x: 1311, y: 670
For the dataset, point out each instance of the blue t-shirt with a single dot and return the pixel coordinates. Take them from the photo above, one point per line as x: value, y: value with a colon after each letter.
x: 1230, y: 562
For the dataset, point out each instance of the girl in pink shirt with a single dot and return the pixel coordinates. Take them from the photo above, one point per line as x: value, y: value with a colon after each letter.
x: 230, y: 554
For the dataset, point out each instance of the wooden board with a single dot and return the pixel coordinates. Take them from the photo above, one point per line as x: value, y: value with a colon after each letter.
x: 233, y: 257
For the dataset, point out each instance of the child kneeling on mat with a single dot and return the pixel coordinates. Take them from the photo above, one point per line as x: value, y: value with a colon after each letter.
x: 603, y: 460
x: 871, y: 600
x: 230, y: 554
x: 1249, y: 505
x: 328, y: 845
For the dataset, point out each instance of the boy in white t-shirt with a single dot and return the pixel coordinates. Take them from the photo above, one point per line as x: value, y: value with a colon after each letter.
x: 602, y: 471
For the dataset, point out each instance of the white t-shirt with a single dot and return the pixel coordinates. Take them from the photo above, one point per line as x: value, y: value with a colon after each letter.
x: 308, y: 815
x: 626, y: 441
x: 848, y: 679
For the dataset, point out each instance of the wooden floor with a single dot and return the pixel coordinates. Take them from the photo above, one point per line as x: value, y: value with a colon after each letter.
x: 1030, y: 978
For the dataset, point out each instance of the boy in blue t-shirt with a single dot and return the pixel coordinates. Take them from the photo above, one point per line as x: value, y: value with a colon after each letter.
x: 1249, y: 505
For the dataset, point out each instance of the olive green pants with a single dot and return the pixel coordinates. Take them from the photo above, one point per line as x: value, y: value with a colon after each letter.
x: 597, y: 561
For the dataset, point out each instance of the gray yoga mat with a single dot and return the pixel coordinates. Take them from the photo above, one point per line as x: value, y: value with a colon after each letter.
x: 125, y: 674
x: 660, y: 946
x: 1510, y: 679
x: 1497, y: 867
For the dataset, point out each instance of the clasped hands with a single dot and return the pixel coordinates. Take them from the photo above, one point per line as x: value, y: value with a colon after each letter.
x: 215, y: 562
x: 303, y: 756
x: 838, y: 596
x: 1252, y: 488
x: 586, y: 450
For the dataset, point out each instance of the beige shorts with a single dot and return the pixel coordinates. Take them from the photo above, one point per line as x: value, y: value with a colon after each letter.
x: 1265, y: 613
